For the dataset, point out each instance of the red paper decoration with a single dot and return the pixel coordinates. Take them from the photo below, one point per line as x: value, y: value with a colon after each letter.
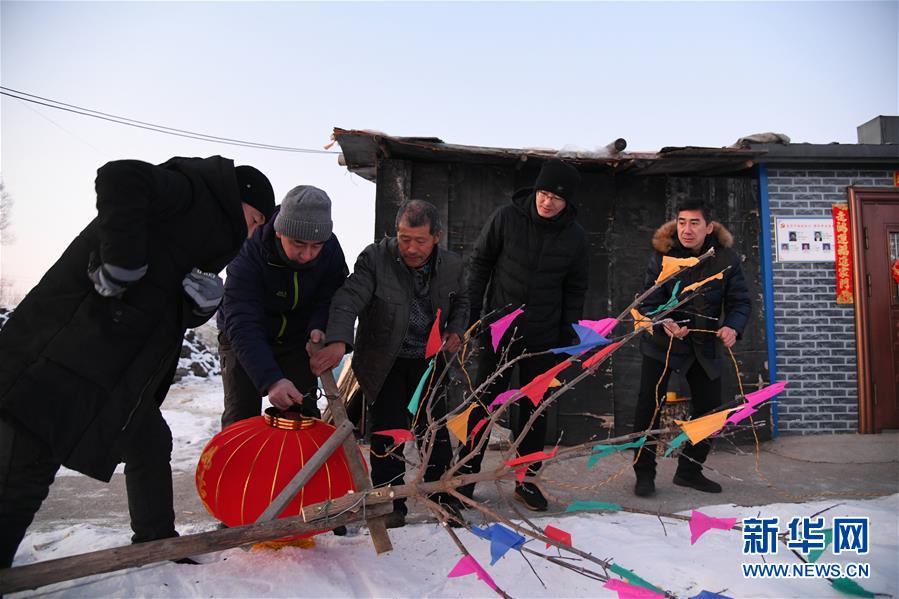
x: 244, y: 467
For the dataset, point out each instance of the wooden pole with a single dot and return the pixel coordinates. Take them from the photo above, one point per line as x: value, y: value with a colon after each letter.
x: 47, y: 572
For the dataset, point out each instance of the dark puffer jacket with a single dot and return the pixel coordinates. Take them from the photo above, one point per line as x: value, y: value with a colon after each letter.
x: 728, y: 295
x: 379, y: 292
x: 522, y: 258
x: 271, y: 301
x: 79, y: 370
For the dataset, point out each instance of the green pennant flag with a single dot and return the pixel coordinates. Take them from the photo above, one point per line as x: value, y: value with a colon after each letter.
x: 634, y: 579
x: 675, y: 443
x: 814, y: 555
x: 592, y: 505
x: 601, y: 451
x: 848, y: 586
x: 669, y: 304
x: 416, y: 397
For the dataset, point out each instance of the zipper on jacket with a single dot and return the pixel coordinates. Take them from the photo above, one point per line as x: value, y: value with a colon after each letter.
x: 140, y: 397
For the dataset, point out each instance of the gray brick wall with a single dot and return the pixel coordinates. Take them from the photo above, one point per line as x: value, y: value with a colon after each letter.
x: 815, y: 336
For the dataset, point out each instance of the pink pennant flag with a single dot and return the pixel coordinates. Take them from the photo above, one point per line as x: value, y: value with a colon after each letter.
x: 468, y: 565
x: 603, y: 327
x: 627, y: 590
x: 740, y: 415
x: 756, y: 397
x: 399, y: 435
x: 700, y: 523
x: 477, y: 428
x: 598, y: 356
x: 536, y: 389
x: 532, y: 457
x: 498, y: 328
x: 557, y: 534
x: 503, y: 398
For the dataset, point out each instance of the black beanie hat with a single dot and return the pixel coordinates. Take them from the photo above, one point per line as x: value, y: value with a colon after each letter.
x: 255, y: 190
x: 559, y: 178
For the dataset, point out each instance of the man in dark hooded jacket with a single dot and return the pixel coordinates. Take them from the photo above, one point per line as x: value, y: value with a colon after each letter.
x: 532, y: 253
x: 88, y: 356
x: 277, y: 295
x: 723, y: 302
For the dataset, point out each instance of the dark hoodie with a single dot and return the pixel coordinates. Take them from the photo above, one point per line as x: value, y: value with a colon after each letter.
x: 272, y: 301
x: 728, y: 295
x: 520, y: 259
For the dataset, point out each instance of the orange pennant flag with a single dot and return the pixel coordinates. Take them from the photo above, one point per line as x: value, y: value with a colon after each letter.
x: 703, y: 427
x: 640, y: 321
x: 434, y: 340
x: 458, y: 425
x: 555, y: 383
x: 598, y: 356
x: 536, y: 389
x: 699, y: 284
x: 672, y: 265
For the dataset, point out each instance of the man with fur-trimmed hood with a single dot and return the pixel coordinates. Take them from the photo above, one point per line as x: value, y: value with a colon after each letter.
x: 721, y: 305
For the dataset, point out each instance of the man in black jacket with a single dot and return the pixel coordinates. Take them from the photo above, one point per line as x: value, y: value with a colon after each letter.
x: 695, y: 353
x: 277, y: 295
x: 89, y: 354
x: 396, y: 289
x: 531, y: 253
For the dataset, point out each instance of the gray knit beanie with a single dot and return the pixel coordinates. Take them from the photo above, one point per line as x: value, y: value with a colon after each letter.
x: 305, y: 214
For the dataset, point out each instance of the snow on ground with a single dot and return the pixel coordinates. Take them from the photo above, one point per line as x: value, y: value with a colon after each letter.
x: 423, y: 554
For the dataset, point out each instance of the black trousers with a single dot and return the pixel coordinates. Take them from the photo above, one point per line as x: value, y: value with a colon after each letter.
x: 705, y: 397
x: 390, y: 410
x: 242, y: 398
x: 27, y: 470
x: 521, y: 412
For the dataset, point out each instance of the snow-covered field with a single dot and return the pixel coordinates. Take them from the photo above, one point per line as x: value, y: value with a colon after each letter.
x: 423, y: 554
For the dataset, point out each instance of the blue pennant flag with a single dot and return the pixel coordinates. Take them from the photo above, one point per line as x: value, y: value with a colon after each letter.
x: 501, y: 540
x: 709, y: 595
x: 588, y: 338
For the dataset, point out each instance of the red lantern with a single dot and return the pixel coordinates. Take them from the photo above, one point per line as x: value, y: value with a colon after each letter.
x: 244, y: 467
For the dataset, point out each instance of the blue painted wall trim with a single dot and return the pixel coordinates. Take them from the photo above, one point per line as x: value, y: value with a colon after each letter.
x: 767, y: 264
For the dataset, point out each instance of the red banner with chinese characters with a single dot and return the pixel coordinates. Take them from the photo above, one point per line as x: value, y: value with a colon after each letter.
x: 843, y: 251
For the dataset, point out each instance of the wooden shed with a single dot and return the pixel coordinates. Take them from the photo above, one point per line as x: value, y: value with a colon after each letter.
x: 623, y: 198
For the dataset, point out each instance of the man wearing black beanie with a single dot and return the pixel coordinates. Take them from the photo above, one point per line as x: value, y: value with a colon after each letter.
x: 531, y: 253
x: 89, y: 354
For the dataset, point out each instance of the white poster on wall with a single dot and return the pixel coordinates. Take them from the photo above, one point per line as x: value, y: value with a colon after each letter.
x: 801, y: 239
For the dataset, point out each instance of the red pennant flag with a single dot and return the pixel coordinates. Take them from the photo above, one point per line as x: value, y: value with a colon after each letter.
x: 521, y: 473
x: 477, y: 428
x: 434, y: 340
x: 532, y: 457
x: 598, y: 356
x: 557, y: 534
x: 536, y: 389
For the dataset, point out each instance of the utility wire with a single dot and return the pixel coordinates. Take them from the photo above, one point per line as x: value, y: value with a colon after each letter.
x: 26, y: 97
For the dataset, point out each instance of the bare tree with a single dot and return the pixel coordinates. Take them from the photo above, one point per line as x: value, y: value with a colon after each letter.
x: 6, y: 204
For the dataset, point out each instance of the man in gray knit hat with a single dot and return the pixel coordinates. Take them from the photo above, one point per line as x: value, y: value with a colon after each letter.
x: 277, y: 297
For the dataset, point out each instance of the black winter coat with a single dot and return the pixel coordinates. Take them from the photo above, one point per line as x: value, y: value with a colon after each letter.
x: 270, y: 301
x: 379, y: 292
x: 522, y: 258
x: 720, y: 303
x: 79, y: 370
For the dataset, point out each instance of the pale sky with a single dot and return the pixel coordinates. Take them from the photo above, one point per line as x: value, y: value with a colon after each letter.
x: 508, y: 74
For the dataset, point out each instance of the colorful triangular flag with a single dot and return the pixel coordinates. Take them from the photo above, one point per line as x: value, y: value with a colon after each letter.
x: 435, y: 342
x: 458, y: 424
x: 700, y: 523
x: 536, y: 389
x: 498, y: 328
x: 416, y: 397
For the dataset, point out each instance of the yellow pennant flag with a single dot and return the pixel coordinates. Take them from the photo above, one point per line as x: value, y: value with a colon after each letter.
x: 640, y: 321
x: 555, y: 383
x: 672, y: 265
x: 720, y: 275
x: 703, y: 427
x: 458, y: 425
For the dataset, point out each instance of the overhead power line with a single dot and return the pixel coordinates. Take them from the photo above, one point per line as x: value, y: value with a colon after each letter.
x: 121, y: 120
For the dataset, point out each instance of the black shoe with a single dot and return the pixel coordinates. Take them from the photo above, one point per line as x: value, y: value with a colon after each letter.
x: 395, y: 519
x: 646, y: 485
x: 339, y: 531
x: 531, y: 497
x: 696, y: 480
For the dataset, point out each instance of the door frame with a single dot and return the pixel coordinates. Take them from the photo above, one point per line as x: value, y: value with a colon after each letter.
x: 858, y: 197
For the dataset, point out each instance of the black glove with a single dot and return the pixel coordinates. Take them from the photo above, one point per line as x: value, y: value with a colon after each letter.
x: 110, y: 280
x: 205, y: 291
